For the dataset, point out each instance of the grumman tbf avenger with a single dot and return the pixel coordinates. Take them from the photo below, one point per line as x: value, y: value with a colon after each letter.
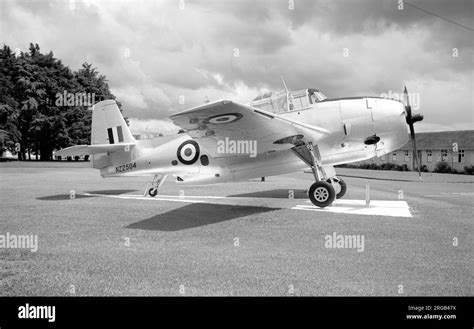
x: 292, y: 131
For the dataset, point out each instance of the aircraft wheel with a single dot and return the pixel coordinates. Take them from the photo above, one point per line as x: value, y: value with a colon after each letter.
x: 340, y: 187
x: 153, y: 191
x: 322, y: 194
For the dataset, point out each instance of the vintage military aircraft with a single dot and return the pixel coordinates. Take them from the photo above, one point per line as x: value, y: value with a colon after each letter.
x: 291, y: 130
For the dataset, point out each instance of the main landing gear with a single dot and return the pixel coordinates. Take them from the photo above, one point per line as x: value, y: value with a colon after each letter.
x: 321, y: 194
x: 155, y: 185
x: 327, y: 187
x: 339, y: 185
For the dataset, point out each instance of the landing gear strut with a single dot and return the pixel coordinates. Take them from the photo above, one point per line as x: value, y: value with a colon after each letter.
x: 155, y: 185
x: 327, y: 186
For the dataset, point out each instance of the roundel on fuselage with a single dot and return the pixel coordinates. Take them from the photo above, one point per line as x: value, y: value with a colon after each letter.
x: 188, y: 152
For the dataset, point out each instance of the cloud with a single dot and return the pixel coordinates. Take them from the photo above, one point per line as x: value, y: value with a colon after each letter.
x: 160, y: 59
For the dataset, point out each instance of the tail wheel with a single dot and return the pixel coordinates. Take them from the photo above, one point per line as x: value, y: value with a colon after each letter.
x: 153, y: 191
x: 322, y: 194
x: 339, y: 186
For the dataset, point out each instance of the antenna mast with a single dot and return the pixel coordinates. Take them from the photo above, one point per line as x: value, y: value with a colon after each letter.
x: 289, y: 102
x: 284, y: 84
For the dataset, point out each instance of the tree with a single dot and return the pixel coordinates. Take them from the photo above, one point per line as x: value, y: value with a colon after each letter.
x: 30, y: 84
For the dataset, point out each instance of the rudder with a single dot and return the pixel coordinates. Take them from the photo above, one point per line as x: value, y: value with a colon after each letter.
x: 108, y: 124
x: 109, y: 127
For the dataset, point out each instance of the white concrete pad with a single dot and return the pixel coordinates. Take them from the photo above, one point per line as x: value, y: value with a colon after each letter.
x: 397, y: 208
x: 141, y: 197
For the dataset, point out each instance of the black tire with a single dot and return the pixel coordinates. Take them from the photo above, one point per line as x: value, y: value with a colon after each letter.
x: 342, y: 187
x: 322, y: 194
x: 153, y: 192
x: 343, y: 190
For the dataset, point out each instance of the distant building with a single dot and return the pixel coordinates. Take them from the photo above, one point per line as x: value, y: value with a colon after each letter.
x: 456, y: 148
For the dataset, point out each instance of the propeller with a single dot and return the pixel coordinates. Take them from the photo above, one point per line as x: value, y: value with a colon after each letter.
x: 411, y: 119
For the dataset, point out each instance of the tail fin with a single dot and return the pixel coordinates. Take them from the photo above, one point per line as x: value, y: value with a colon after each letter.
x: 112, y: 142
x: 109, y: 128
x: 108, y: 125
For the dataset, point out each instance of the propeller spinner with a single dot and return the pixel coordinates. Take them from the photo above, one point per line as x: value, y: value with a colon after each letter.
x: 411, y: 119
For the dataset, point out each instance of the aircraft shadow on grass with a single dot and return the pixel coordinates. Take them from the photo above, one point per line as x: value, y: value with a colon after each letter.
x: 195, y: 215
x: 59, y: 197
x: 277, y: 194
x: 111, y: 192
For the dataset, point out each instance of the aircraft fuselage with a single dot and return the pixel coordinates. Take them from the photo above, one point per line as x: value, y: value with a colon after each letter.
x: 358, y: 129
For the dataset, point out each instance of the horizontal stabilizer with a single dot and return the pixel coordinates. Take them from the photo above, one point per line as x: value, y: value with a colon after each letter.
x: 94, y: 149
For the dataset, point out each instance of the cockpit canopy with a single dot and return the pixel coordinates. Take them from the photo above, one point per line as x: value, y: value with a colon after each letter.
x: 281, y: 101
x: 316, y: 95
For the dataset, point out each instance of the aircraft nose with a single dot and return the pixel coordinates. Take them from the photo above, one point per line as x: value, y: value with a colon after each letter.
x: 389, y: 119
x: 400, y: 108
x: 388, y: 108
x: 389, y: 115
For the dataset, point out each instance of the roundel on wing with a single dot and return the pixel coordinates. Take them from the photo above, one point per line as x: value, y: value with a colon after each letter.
x: 188, y: 152
x: 223, y: 118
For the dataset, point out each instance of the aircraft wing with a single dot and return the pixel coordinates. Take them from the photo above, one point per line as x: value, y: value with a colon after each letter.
x: 93, y: 149
x: 216, y: 121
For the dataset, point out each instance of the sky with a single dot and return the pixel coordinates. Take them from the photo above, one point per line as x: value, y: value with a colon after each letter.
x: 162, y: 57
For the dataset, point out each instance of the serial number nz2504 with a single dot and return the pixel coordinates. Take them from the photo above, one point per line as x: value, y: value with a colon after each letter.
x: 125, y: 167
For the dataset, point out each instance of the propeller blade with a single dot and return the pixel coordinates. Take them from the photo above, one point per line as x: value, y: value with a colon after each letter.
x: 415, y: 151
x: 407, y: 105
x: 411, y: 119
x: 407, y: 99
